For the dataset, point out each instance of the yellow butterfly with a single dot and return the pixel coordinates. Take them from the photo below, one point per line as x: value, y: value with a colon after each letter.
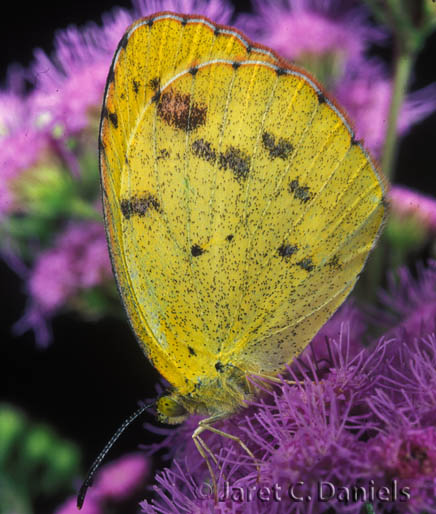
x: 239, y: 207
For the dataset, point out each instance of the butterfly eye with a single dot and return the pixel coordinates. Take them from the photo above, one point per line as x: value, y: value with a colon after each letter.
x: 170, y: 410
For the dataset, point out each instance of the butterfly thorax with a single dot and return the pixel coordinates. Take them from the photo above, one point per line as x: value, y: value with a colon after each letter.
x: 223, y: 395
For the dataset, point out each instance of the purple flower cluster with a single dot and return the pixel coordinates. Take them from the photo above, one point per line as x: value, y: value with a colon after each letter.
x: 19, y: 147
x: 77, y: 261
x: 114, y: 484
x: 409, y: 303
x: 357, y: 427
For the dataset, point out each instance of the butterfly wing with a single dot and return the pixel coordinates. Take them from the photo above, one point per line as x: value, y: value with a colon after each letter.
x: 152, y: 51
x: 239, y: 208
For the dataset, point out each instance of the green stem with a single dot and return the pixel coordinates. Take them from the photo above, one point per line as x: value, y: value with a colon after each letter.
x: 403, y: 66
x: 378, y: 260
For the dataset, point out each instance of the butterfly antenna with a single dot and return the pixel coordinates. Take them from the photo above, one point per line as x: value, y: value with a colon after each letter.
x: 96, y: 464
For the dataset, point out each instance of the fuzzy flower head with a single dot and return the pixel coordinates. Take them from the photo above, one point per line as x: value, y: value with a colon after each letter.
x: 79, y: 260
x: 409, y: 303
x: 70, y: 273
x: 323, y: 36
x: 411, y: 204
x: 69, y: 84
x: 220, y: 11
x: 365, y: 91
x: 409, y: 455
x: 120, y: 479
x: 20, y: 144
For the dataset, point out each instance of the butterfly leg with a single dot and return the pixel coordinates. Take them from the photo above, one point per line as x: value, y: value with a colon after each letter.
x: 277, y: 380
x: 205, y: 451
x: 206, y: 424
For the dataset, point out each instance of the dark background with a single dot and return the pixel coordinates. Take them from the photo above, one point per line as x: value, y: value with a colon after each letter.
x: 92, y: 376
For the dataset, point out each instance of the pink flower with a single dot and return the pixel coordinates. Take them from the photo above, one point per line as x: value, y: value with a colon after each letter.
x: 119, y: 479
x: 365, y: 92
x: 408, y: 203
x: 219, y: 11
x: 78, y: 260
x: 21, y: 144
x: 301, y: 27
x: 411, y: 454
x: 409, y: 303
x: 70, y: 83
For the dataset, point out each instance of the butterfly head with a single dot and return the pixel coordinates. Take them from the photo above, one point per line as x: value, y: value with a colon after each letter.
x: 225, y: 393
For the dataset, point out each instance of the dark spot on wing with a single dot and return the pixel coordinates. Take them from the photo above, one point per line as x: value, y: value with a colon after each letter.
x: 111, y: 75
x: 193, y: 71
x: 112, y: 116
x: 235, y: 65
x: 354, y: 141
x: 287, y: 250
x: 196, y: 250
x: 237, y: 161
x: 232, y: 159
x: 184, y: 21
x: 216, y: 32
x: 192, y: 351
x: 335, y: 263
x: 154, y: 83
x: 301, y: 192
x: 135, y: 85
x: 203, y: 149
x: 280, y: 71
x: 306, y: 264
x: 219, y: 367
x: 150, y: 22
x: 249, y: 49
x: 163, y: 154
x: 156, y: 97
x: 282, y: 148
x: 229, y: 237
x: 321, y: 97
x: 139, y: 205
x: 176, y: 110
x: 124, y: 40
